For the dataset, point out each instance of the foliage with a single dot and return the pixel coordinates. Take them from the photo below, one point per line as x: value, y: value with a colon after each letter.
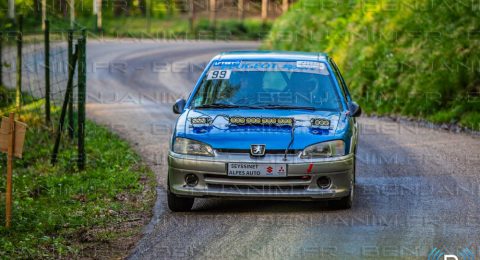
x: 175, y: 28
x: 249, y: 29
x: 129, y: 19
x: 413, y: 58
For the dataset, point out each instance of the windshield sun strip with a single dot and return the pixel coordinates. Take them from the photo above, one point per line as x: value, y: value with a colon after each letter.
x: 216, y: 82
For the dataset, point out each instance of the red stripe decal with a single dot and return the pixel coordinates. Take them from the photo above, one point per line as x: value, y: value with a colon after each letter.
x: 310, y: 167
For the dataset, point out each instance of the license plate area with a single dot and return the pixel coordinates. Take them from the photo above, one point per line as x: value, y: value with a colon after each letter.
x: 257, y: 169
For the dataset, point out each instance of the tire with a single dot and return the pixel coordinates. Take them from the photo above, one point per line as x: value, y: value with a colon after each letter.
x: 347, y: 202
x: 343, y: 203
x: 355, y: 168
x: 179, y: 204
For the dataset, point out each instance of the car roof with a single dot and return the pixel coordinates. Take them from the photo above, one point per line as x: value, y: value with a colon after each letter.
x: 271, y: 56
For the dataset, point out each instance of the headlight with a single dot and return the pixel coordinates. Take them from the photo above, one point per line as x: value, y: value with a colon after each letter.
x: 191, y: 147
x: 324, y: 150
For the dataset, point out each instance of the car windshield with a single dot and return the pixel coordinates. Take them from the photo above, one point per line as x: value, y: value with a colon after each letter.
x: 276, y: 85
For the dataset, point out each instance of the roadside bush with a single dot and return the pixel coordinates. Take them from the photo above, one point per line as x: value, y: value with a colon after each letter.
x: 236, y: 29
x: 413, y: 58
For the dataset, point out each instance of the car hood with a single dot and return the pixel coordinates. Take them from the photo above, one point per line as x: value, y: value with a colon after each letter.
x: 222, y: 135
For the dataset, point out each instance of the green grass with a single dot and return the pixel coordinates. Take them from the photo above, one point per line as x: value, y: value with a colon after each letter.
x: 59, y: 211
x: 412, y: 58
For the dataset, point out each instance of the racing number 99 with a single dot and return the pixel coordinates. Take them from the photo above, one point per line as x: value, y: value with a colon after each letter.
x: 219, y: 74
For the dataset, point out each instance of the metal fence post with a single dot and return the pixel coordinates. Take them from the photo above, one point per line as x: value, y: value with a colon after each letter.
x: 82, y: 77
x: 70, y: 68
x: 1, y: 60
x: 18, y: 97
x: 63, y: 113
x: 47, y: 71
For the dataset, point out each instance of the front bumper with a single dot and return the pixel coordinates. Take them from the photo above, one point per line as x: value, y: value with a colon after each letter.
x: 300, y: 183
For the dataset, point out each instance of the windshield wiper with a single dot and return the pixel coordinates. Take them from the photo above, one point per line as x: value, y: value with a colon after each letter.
x: 221, y: 105
x: 287, y: 107
x: 216, y: 105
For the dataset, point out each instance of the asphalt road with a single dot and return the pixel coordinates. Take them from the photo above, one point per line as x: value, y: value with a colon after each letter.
x: 417, y: 188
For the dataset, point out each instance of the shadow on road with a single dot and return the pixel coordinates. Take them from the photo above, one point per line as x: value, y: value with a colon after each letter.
x: 259, y: 206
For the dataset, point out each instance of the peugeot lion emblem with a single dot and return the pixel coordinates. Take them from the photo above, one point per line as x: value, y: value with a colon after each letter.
x: 257, y: 149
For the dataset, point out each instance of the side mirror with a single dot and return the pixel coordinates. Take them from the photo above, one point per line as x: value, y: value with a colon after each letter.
x: 355, y: 109
x: 179, y: 106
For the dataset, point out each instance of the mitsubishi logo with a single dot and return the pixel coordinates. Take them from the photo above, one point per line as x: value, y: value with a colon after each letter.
x: 257, y: 149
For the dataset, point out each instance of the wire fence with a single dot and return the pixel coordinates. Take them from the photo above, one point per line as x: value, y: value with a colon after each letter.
x: 43, y: 75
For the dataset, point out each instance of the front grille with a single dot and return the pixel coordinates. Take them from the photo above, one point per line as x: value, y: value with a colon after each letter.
x: 268, y: 151
x: 287, y: 178
x: 258, y: 188
x: 292, y: 182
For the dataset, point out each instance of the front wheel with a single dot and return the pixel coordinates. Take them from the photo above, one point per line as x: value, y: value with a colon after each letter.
x: 179, y: 204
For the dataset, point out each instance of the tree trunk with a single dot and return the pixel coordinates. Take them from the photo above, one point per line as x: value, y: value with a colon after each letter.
x: 213, y: 10
x: 99, y: 15
x: 128, y: 7
x: 143, y: 7
x: 11, y: 9
x: 36, y: 9
x: 63, y: 7
x: 264, y: 10
x: 241, y: 9
x: 118, y: 8
x: 285, y: 6
x: 191, y: 10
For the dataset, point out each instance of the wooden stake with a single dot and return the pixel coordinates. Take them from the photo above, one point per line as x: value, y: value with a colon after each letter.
x: 11, y: 145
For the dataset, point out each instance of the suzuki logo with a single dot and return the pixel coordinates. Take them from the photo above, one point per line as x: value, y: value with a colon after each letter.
x: 257, y: 149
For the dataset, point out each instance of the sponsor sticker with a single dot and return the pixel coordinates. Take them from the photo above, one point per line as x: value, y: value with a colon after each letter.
x: 226, y: 64
x: 310, y: 65
x: 257, y: 170
x: 244, y: 66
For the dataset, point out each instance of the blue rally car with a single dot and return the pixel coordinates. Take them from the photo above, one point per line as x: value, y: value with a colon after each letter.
x: 265, y: 124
